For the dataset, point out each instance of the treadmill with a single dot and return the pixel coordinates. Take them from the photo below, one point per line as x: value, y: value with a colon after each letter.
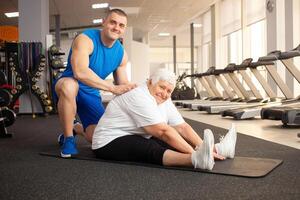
x: 285, y: 57
x: 250, y: 101
x: 288, y: 114
x: 214, y: 94
x: 200, y: 78
x: 218, y: 99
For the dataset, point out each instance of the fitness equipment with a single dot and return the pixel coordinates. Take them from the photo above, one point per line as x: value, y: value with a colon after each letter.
x: 7, y: 116
x: 182, y: 91
x: 289, y: 114
x: 5, y: 97
x: 234, y: 93
x: 27, y: 64
x: 57, y: 63
x: 207, y: 85
x: 267, y: 60
x: 53, y: 49
x: 56, y: 67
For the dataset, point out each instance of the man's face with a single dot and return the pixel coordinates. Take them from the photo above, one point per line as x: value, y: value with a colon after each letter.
x: 161, y: 90
x: 114, y: 26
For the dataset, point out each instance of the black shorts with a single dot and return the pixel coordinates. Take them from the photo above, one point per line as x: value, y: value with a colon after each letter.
x: 134, y: 148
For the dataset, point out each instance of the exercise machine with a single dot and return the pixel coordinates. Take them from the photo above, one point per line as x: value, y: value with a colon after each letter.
x: 254, y: 111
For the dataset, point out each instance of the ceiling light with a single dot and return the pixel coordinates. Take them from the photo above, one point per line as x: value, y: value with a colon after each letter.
x: 12, y: 14
x: 164, y: 34
x: 164, y: 21
x: 100, y: 5
x: 128, y: 10
x: 197, y: 25
x: 97, y: 21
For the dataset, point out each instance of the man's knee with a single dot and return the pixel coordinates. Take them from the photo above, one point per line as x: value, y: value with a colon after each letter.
x: 67, y: 87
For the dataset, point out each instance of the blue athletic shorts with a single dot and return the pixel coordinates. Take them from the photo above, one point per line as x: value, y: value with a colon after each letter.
x: 89, y: 107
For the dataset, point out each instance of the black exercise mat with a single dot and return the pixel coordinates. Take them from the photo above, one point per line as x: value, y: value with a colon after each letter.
x: 239, y: 166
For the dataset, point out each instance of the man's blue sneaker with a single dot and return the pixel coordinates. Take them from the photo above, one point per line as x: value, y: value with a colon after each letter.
x: 69, y: 147
x: 61, y: 137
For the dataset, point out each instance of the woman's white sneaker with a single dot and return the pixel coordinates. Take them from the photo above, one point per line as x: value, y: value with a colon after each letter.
x: 226, y: 146
x: 203, y: 156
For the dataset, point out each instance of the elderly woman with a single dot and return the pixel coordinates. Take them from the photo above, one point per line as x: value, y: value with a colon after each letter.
x: 143, y: 125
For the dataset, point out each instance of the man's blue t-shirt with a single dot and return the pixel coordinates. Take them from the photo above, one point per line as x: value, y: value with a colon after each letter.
x: 102, y: 61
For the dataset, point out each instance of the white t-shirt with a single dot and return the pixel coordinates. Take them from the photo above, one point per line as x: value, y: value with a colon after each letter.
x: 126, y: 114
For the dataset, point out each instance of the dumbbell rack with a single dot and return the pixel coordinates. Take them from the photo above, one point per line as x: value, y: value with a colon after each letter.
x: 56, y: 67
x: 27, y: 80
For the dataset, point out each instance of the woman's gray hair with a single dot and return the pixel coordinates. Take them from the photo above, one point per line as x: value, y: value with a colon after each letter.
x: 163, y: 74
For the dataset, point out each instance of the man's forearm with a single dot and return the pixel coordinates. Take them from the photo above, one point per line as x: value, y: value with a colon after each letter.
x: 89, y: 78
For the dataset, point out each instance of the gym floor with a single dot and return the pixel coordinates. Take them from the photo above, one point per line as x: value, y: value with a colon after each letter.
x: 25, y: 174
x: 269, y: 130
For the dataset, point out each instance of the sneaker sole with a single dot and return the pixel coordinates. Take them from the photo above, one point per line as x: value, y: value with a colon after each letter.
x: 233, y: 133
x: 209, y: 145
x: 65, y: 155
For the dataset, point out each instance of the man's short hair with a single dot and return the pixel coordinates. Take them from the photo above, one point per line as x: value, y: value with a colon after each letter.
x: 163, y: 74
x: 117, y: 11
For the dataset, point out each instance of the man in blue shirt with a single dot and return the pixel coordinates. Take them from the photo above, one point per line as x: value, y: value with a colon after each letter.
x: 93, y: 56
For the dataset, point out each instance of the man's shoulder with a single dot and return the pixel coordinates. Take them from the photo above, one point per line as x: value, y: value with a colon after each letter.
x: 91, y: 33
x: 91, y: 30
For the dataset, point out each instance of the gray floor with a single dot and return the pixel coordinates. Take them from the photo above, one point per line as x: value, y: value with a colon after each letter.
x: 270, y: 130
x: 24, y: 174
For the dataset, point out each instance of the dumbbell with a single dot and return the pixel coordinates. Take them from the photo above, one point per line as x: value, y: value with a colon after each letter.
x: 46, y: 102
x: 54, y: 49
x: 44, y: 96
x: 38, y: 74
x: 43, y: 59
x: 35, y: 87
x: 13, y: 91
x: 57, y: 63
x: 48, y: 109
x: 34, y: 79
x: 39, y: 91
x: 42, y: 64
x: 19, y: 87
x: 19, y: 79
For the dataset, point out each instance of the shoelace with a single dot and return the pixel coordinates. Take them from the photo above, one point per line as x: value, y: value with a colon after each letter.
x: 221, y: 137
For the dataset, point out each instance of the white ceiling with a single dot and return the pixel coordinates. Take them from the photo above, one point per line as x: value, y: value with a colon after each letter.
x: 147, y: 17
